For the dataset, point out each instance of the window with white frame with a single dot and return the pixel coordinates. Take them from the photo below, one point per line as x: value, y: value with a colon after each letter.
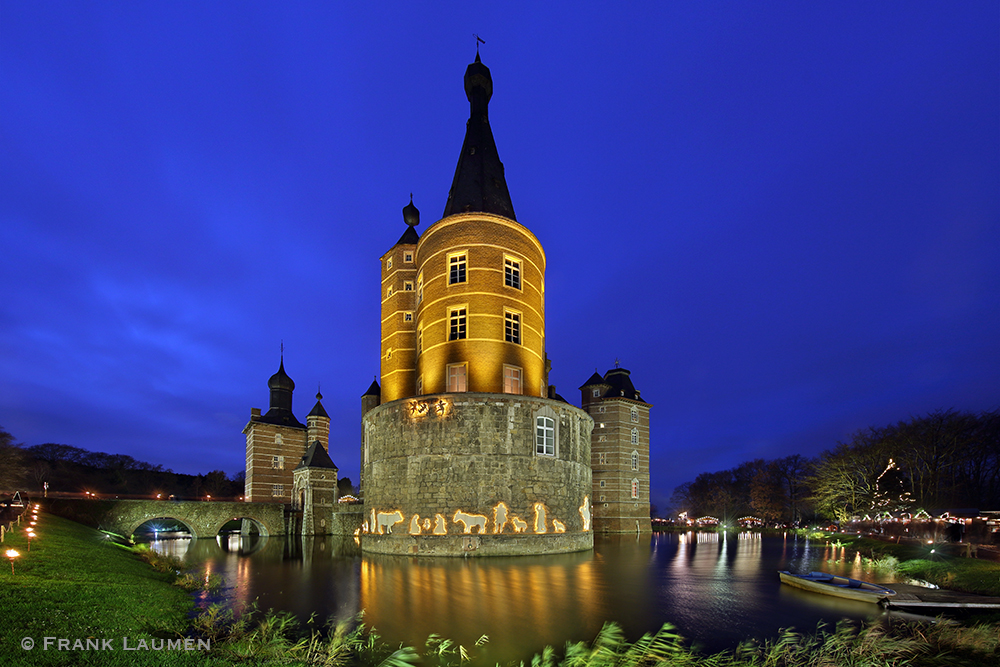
x: 408, y: 257
x: 388, y: 291
x: 277, y: 490
x: 388, y: 263
x: 635, y: 460
x: 278, y: 439
x: 457, y: 380
x: 512, y: 272
x: 512, y: 327
x: 596, y: 392
x: 602, y: 483
x: 456, y: 320
x: 278, y: 462
x: 602, y: 459
x: 600, y: 409
x: 635, y: 488
x: 511, y: 379
x: 456, y: 268
x: 635, y: 436
x: 407, y: 316
x: 635, y: 415
x: 545, y: 435
x: 420, y: 288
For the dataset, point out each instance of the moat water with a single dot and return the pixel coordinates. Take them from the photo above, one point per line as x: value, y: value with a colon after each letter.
x: 717, y: 589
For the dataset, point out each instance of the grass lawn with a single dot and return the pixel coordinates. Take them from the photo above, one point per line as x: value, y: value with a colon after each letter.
x: 76, y: 584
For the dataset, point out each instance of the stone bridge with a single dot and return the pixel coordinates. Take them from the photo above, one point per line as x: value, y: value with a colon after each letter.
x: 202, y: 519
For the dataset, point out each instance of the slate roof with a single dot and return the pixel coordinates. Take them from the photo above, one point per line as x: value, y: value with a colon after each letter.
x: 316, y: 457
x: 373, y: 389
x: 318, y: 409
x: 409, y: 237
x: 479, y: 184
x: 594, y: 379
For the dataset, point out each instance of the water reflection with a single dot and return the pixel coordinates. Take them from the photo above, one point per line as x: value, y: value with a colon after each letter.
x: 717, y: 588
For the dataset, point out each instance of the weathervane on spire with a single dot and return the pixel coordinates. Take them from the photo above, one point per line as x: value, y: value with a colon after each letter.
x: 479, y: 40
x: 617, y: 364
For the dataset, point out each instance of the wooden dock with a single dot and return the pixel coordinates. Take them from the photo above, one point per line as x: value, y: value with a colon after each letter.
x: 909, y: 596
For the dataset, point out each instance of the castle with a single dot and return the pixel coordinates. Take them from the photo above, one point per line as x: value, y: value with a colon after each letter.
x: 466, y: 448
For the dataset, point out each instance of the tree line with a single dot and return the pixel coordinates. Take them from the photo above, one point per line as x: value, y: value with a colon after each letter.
x: 943, y: 460
x: 70, y: 469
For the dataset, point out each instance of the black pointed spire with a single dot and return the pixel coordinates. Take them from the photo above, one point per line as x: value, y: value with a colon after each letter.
x: 479, y: 183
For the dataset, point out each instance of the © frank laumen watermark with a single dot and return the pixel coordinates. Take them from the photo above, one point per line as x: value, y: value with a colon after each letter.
x: 116, y: 644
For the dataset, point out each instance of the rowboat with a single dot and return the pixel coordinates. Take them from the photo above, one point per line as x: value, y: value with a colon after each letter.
x: 841, y: 587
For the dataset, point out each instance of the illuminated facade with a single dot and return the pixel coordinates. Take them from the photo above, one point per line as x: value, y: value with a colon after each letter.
x: 465, y: 447
x: 276, y: 441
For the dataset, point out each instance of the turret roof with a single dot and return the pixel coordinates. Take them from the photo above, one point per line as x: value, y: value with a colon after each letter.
x: 316, y: 457
x: 479, y: 184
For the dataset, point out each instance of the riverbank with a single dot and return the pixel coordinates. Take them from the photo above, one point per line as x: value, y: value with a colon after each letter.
x: 75, y: 584
x: 927, y: 562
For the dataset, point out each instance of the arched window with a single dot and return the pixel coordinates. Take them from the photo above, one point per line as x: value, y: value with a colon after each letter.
x: 635, y: 415
x: 635, y: 460
x: 635, y: 488
x: 635, y: 436
x: 545, y: 435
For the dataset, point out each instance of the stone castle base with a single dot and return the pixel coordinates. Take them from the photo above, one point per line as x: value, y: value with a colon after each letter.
x: 477, y: 545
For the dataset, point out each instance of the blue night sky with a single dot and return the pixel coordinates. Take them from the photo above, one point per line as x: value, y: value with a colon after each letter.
x: 783, y: 218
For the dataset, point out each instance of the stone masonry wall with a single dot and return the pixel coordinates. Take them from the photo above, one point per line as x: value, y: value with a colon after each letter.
x: 451, y: 465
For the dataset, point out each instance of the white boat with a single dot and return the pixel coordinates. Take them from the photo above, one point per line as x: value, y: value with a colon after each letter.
x: 841, y: 587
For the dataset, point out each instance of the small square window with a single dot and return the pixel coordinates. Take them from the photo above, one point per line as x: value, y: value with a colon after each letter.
x: 602, y: 438
x: 408, y: 257
x: 407, y: 317
x: 511, y: 380
x: 457, y: 380
x: 602, y: 459
x: 388, y: 263
x: 408, y: 286
x: 277, y: 490
x: 596, y: 392
x: 600, y: 409
x: 602, y: 483
x: 388, y: 291
x: 278, y: 462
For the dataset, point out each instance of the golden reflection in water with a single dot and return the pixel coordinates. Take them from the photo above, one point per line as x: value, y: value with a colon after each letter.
x: 523, y: 602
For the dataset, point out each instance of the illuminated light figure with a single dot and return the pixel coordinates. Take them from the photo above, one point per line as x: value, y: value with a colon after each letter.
x: 470, y: 521
x: 364, y: 527
x: 519, y: 526
x: 387, y: 520
x: 585, y: 513
x: 558, y: 526
x: 427, y: 524
x: 540, y: 526
x: 415, y: 525
x: 372, y: 523
x: 499, y: 517
x: 440, y: 525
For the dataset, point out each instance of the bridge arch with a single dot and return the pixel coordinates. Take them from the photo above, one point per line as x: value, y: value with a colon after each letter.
x: 165, y: 517
x: 203, y: 519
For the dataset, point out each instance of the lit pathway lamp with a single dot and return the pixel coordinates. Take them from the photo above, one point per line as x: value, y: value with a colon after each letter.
x: 11, y: 554
x: 31, y: 534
